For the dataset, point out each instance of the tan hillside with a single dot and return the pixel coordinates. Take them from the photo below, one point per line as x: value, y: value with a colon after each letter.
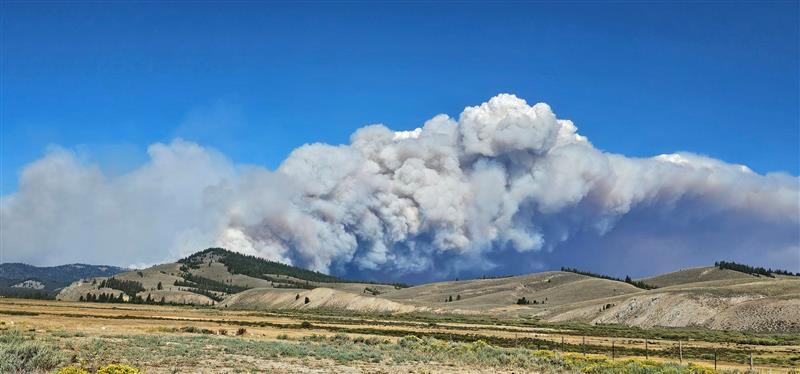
x: 149, y: 279
x: 548, y: 289
x: 74, y: 291
x: 219, y: 272
x: 204, y: 277
x: 693, y: 275
x: 707, y: 297
x: 759, y: 304
x: 271, y: 298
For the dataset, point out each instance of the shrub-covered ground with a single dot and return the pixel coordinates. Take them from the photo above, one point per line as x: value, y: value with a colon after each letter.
x: 200, y: 352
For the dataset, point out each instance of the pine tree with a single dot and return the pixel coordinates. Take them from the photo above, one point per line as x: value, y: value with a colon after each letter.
x: 159, y: 286
x: 307, y: 300
x: 458, y: 297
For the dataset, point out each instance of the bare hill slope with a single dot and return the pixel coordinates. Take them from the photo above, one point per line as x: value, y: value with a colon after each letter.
x: 694, y: 275
x: 327, y: 298
x: 545, y: 289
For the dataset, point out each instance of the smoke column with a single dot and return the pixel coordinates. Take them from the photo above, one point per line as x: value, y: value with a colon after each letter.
x: 503, y: 182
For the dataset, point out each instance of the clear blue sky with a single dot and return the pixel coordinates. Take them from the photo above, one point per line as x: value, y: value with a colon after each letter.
x: 255, y: 80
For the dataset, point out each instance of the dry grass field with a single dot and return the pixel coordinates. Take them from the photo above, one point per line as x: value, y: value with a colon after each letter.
x: 169, y: 339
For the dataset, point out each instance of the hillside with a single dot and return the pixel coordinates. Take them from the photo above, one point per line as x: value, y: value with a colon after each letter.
x: 543, y: 290
x: 327, y: 298
x: 707, y: 297
x: 693, y: 275
x: 208, y: 277
x: 18, y: 279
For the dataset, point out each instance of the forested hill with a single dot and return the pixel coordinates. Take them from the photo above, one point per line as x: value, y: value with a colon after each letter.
x: 54, y: 276
x: 253, y: 266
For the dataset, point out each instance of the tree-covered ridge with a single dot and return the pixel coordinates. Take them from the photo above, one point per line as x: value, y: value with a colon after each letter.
x: 628, y: 280
x: 128, y: 287
x: 257, y: 267
x: 752, y: 270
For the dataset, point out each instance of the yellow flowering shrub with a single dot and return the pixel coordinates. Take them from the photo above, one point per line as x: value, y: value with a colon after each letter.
x: 72, y: 369
x: 119, y: 369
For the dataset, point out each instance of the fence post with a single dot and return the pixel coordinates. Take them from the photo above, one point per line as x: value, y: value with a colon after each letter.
x: 562, y: 343
x: 715, y: 359
x: 751, y: 361
x: 680, y: 351
x: 584, y: 346
x: 613, y: 351
x: 646, y: 350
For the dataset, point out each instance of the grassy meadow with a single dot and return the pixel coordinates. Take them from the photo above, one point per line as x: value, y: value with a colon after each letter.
x: 74, y: 338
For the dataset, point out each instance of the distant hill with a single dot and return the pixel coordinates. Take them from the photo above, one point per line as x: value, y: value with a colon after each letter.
x: 18, y: 279
x: 208, y: 277
x: 694, y: 275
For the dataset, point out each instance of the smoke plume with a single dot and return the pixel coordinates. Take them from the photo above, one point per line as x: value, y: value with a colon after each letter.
x: 504, y: 187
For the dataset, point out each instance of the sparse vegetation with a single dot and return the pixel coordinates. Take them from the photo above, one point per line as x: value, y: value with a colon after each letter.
x: 189, y: 350
x: 359, y: 330
x: 635, y: 283
x: 206, y: 284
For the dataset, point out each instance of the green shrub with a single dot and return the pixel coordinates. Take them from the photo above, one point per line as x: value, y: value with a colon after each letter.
x: 22, y: 354
x: 283, y: 337
x: 119, y: 369
x: 195, y: 330
x: 314, y: 338
x: 410, y: 341
x: 306, y: 325
x: 241, y: 331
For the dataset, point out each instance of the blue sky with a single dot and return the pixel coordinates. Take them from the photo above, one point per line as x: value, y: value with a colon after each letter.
x: 255, y: 80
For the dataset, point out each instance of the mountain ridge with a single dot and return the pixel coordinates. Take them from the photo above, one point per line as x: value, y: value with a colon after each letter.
x: 712, y: 297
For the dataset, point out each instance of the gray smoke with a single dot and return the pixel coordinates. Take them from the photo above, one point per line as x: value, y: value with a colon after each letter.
x: 505, y: 179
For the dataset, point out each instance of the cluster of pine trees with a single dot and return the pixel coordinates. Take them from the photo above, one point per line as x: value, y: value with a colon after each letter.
x: 110, y: 298
x: 752, y: 270
x: 450, y: 298
x: 525, y: 301
x: 256, y: 267
x: 130, y: 288
x: 635, y: 283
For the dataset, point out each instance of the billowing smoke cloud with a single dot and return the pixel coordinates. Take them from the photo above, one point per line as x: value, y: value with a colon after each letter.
x: 504, y: 184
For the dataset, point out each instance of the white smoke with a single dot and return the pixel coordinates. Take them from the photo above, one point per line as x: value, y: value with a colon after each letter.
x: 504, y: 176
